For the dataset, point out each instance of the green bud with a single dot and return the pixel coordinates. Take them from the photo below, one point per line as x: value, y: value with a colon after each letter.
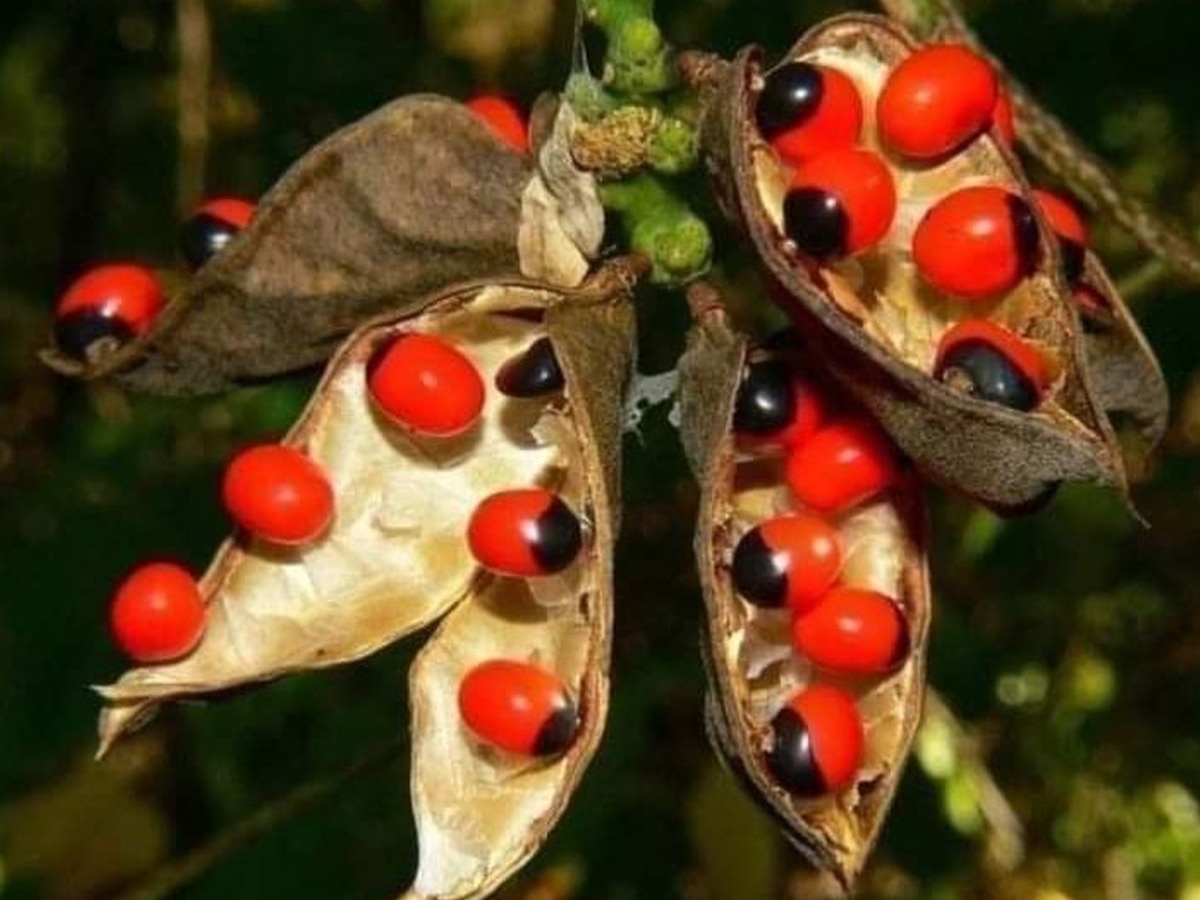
x: 673, y: 148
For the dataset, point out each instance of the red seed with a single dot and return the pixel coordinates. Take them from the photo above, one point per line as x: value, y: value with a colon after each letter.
x: 518, y: 707
x: 503, y: 119
x: 1027, y: 359
x: 976, y: 243
x: 526, y: 532
x: 843, y: 465
x: 426, y: 384
x: 792, y: 560
x: 809, y: 110
x: 853, y: 631
x: 157, y: 615
x: 278, y: 494
x: 936, y: 100
x: 819, y: 742
x: 839, y: 204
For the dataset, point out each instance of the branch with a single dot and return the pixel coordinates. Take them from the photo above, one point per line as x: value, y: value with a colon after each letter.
x: 1048, y: 139
x: 195, y: 71
x: 176, y: 873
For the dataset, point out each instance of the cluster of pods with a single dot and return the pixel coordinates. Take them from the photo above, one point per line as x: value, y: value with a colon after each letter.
x: 834, y: 462
x: 850, y: 148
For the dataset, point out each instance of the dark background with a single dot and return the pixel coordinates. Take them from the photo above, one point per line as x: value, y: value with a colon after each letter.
x: 1066, y: 645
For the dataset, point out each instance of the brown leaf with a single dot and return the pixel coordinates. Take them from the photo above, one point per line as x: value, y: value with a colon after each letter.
x: 875, y: 326
x: 415, y: 197
x: 752, y: 668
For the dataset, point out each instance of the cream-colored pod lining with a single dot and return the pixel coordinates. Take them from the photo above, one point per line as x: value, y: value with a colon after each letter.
x: 881, y: 288
x: 395, y: 557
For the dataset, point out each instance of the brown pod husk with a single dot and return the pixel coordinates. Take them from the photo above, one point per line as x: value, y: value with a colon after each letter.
x: 880, y: 343
x: 749, y: 676
x: 1129, y: 381
x: 396, y: 558
x: 415, y: 197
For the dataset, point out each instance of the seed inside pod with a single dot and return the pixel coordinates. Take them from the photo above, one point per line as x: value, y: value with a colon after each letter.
x: 936, y: 100
x: 839, y: 204
x: 518, y: 707
x: 212, y: 227
x: 425, y: 384
x: 527, y: 533
x: 775, y: 406
x: 818, y: 742
x: 278, y: 494
x: 977, y: 243
x: 789, y: 560
x: 988, y: 361
x: 843, y: 465
x: 1068, y: 226
x: 503, y: 119
x: 805, y: 110
x: 532, y: 374
x: 111, y: 304
x: 853, y: 631
x: 157, y: 615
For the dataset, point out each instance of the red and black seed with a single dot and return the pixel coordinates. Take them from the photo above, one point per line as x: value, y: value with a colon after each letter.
x: 534, y: 373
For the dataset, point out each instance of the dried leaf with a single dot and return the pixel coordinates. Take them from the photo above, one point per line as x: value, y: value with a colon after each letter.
x: 875, y: 326
x: 562, y: 221
x: 752, y: 667
x: 415, y: 197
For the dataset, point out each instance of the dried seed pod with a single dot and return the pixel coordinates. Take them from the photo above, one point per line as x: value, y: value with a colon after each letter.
x: 755, y: 675
x: 415, y: 197
x: 1129, y: 381
x: 396, y: 557
x: 874, y: 321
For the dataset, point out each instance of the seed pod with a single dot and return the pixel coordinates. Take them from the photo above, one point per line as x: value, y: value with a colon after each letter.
x: 396, y: 557
x: 755, y: 676
x: 415, y: 197
x: 874, y: 321
x: 1129, y: 381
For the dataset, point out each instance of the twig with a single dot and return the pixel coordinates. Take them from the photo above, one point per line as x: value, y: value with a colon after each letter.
x: 195, y: 71
x: 1051, y: 141
x: 182, y: 871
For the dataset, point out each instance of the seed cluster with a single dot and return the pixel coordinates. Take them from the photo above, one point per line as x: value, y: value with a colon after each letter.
x: 833, y: 461
x: 847, y: 174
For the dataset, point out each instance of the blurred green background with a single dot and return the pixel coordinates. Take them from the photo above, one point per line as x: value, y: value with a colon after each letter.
x: 1066, y: 646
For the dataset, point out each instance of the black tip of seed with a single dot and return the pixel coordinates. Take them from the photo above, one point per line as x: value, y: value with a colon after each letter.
x: 75, y: 333
x: 559, y: 537
x: 990, y: 374
x: 756, y: 574
x: 203, y: 236
x: 790, y: 94
x: 766, y: 399
x: 1072, y: 260
x: 1025, y: 233
x: 559, y: 731
x: 791, y: 759
x: 903, y: 642
x: 815, y: 221
x: 534, y: 373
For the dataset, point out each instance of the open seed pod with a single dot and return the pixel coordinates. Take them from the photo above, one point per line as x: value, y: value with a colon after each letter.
x: 876, y: 321
x: 1129, y: 381
x: 773, y: 635
x: 415, y: 197
x: 401, y: 551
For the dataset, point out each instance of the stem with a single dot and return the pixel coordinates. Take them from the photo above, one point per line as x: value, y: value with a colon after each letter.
x: 176, y: 873
x: 195, y: 70
x: 1061, y: 151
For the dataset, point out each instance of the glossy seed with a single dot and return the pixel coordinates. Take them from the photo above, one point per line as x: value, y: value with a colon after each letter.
x: 805, y: 110
x: 534, y: 373
x: 525, y: 532
x: 1068, y: 226
x: 845, y: 464
x: 158, y: 614
x: 839, y: 204
x: 789, y: 560
x: 817, y: 742
x: 112, y: 303
x: 853, y: 631
x: 518, y: 707
x: 425, y: 384
x: 987, y: 361
x: 212, y: 227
